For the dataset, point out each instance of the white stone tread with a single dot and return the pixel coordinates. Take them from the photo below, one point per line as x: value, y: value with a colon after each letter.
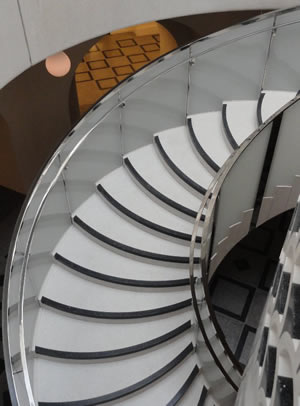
x: 83, y: 380
x: 208, y: 128
x: 66, y: 287
x: 120, y: 185
x: 273, y: 100
x: 149, y: 165
x: 101, y: 217
x: 56, y: 330
x: 178, y: 147
x: 241, y: 118
x: 90, y: 254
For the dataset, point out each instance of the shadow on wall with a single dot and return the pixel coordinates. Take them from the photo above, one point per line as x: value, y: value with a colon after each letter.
x: 9, y: 175
x: 37, y: 112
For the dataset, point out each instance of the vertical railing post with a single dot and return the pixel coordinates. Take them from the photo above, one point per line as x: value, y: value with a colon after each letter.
x: 272, y: 35
x: 67, y: 196
x: 190, y: 64
x: 121, y: 106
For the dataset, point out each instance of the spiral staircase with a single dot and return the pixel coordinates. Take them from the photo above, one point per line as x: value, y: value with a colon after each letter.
x: 106, y: 292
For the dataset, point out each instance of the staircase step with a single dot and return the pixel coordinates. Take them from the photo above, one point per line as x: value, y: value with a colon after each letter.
x: 178, y: 153
x: 119, y: 190
x: 208, y: 129
x: 99, y: 220
x: 270, y: 101
x: 240, y: 119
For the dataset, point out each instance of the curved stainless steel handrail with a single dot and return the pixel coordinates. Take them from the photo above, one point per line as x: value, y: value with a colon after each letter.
x: 209, y: 203
x: 76, y: 147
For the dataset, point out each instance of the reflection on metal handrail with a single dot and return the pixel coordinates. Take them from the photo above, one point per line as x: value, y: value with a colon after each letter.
x: 52, y: 183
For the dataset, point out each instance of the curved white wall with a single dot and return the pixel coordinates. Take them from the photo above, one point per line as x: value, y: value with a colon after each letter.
x: 52, y: 26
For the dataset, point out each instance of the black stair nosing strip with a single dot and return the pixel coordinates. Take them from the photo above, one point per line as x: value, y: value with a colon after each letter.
x: 227, y: 130
x: 259, y: 108
x: 129, y: 389
x: 143, y: 221
x: 203, y: 396
x: 121, y: 281
x: 95, y: 314
x: 199, y: 148
x: 157, y: 194
x: 131, y: 250
x: 185, y: 387
x: 96, y: 355
x: 176, y: 170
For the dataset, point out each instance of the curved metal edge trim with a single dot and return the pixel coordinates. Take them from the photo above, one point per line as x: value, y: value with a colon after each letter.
x: 96, y: 355
x: 95, y: 314
x: 129, y: 389
x: 5, y: 338
x: 176, y: 170
x: 117, y: 280
x: 199, y: 148
x: 141, y: 220
x: 156, y: 193
x: 259, y: 108
x: 126, y: 248
x: 227, y: 130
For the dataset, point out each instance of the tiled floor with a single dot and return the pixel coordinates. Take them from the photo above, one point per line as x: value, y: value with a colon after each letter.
x: 113, y: 59
x: 240, y: 289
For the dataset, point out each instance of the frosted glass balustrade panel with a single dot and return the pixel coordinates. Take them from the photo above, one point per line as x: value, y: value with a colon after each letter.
x: 286, y: 159
x: 239, y: 189
x: 283, y: 67
x: 157, y: 105
x: 98, y: 155
x: 232, y: 71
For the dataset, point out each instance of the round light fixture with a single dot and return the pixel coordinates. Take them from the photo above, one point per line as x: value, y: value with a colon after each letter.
x: 58, y: 64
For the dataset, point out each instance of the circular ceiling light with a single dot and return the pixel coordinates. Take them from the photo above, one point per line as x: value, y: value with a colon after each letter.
x: 58, y: 64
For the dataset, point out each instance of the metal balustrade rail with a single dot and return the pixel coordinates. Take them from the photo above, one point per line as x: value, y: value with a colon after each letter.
x: 209, y: 206
x: 53, y: 182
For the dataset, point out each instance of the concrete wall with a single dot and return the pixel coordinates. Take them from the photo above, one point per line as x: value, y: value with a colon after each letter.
x: 31, y: 30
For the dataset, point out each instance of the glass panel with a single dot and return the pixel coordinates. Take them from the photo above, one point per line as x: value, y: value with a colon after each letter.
x: 286, y: 162
x: 156, y: 106
x: 283, y: 68
x: 230, y: 72
x: 98, y: 155
x: 238, y: 192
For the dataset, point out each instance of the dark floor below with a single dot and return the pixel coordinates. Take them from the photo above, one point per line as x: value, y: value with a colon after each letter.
x: 240, y: 288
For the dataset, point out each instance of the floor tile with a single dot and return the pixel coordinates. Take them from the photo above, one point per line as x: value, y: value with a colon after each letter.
x: 145, y: 40
x: 107, y: 83
x: 150, y: 47
x: 138, y: 58
x: 82, y: 67
x: 82, y: 77
x: 153, y: 55
x: 230, y: 297
x: 231, y: 328
x: 126, y: 42
x: 118, y: 61
x: 137, y: 66
x: 121, y: 78
x: 93, y: 56
x: 124, y: 70
x: 104, y: 73
x: 112, y: 53
x: 98, y: 64
x: 136, y: 50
